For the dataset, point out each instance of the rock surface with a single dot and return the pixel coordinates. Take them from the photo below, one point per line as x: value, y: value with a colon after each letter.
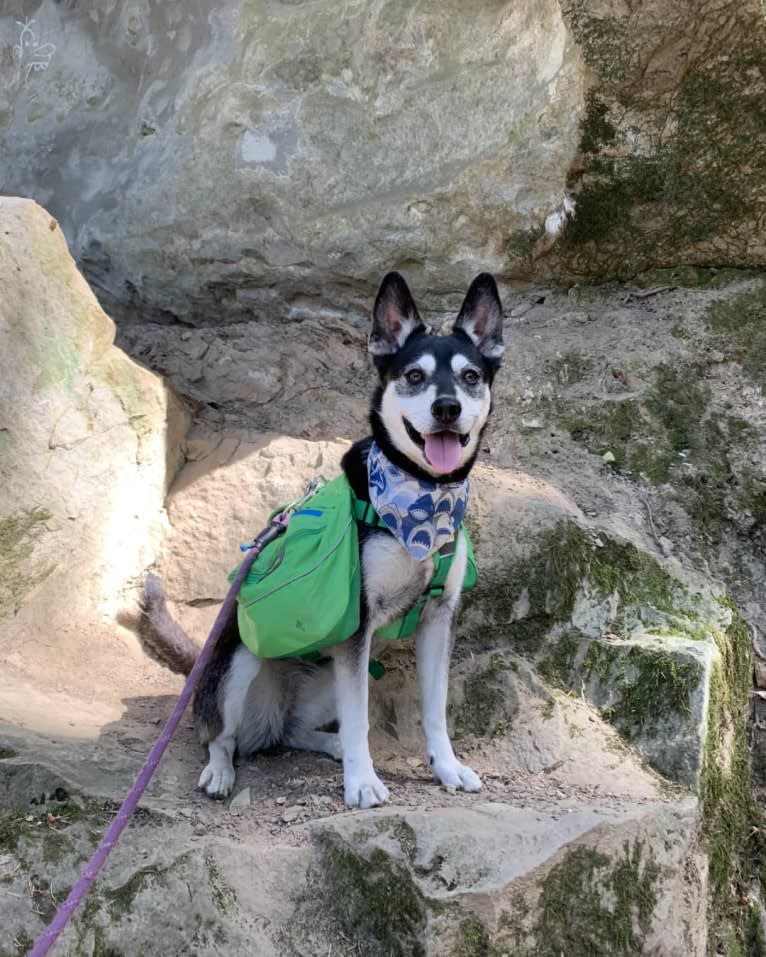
x: 598, y: 650
x: 89, y: 442
x: 246, y: 158
x: 666, y: 171
x: 234, y: 161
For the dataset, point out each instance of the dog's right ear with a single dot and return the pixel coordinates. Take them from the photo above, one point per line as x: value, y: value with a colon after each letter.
x: 394, y: 317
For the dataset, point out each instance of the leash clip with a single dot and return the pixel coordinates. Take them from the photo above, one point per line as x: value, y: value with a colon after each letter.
x: 279, y: 523
x: 311, y: 489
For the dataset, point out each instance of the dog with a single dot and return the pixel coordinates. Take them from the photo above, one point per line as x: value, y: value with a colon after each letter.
x: 427, y: 417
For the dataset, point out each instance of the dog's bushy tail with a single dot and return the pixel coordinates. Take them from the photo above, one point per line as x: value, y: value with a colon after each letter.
x: 161, y: 635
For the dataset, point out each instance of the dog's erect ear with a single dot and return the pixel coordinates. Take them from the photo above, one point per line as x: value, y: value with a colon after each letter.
x: 394, y: 318
x: 481, y: 317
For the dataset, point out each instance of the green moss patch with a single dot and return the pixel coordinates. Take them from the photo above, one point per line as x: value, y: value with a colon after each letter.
x: 590, y: 905
x: 650, y: 435
x: 473, y: 940
x: 647, y: 687
x: 738, y: 325
x: 673, y: 434
x: 522, y: 243
x: 531, y: 601
x: 526, y: 598
x: 615, y: 901
x: 120, y: 900
x: 560, y: 663
x: 652, y: 694
x: 653, y: 686
x: 648, y: 680
x: 726, y: 792
x: 370, y: 900
x: 18, y: 534
x: 224, y: 897
x: 668, y: 176
x: 13, y: 826
x: 484, y: 710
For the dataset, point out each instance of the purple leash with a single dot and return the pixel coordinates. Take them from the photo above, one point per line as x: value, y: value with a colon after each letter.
x: 50, y: 935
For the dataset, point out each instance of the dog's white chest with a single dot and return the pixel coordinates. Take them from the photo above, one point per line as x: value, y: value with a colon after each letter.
x: 392, y: 579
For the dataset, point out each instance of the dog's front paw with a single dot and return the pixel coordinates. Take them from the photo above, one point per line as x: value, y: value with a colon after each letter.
x: 364, y: 790
x: 217, y: 780
x: 452, y: 773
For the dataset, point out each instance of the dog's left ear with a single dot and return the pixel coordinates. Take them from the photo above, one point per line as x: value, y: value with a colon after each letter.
x: 394, y: 317
x: 481, y: 318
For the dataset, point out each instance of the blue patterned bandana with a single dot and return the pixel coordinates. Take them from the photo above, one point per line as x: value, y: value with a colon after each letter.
x: 423, y: 515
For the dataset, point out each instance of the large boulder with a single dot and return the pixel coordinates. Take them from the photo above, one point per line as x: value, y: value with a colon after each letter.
x: 238, y: 160
x: 259, y: 157
x: 89, y: 442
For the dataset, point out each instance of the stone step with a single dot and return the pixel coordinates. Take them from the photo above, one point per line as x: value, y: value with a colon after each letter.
x: 480, y: 876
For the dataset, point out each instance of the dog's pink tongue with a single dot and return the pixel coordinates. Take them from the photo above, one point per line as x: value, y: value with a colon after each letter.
x: 443, y: 451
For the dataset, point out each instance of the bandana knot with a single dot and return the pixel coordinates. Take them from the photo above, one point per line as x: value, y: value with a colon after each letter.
x: 423, y: 515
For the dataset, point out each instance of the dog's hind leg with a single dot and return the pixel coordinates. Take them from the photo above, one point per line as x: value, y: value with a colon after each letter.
x: 324, y: 742
x: 312, y: 708
x: 217, y: 778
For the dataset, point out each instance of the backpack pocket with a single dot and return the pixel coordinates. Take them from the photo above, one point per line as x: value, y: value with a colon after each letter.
x: 303, y: 594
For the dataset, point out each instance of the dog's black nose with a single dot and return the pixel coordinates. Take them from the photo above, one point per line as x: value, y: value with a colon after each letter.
x: 446, y: 410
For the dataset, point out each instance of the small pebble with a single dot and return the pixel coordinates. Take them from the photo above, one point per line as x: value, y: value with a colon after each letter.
x: 242, y: 799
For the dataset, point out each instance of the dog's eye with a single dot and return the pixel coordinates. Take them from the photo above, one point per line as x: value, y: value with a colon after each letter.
x: 414, y: 376
x: 471, y: 376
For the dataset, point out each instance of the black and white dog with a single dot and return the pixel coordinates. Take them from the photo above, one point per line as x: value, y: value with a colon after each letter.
x: 428, y: 414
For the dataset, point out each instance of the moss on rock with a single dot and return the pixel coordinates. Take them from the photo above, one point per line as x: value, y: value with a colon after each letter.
x: 472, y: 940
x: 531, y: 602
x: 18, y: 534
x: 648, y: 436
x: 119, y: 900
x: 672, y: 160
x: 651, y: 693
x: 590, y: 904
x: 726, y: 791
x: 674, y: 434
x: 370, y: 898
x: 485, y: 709
x: 615, y: 902
x: 652, y: 685
x: 739, y: 331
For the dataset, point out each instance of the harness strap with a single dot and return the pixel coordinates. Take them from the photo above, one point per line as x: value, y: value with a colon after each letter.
x: 365, y: 513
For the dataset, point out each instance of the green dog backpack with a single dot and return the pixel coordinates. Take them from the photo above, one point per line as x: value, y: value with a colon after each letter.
x: 302, y: 593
